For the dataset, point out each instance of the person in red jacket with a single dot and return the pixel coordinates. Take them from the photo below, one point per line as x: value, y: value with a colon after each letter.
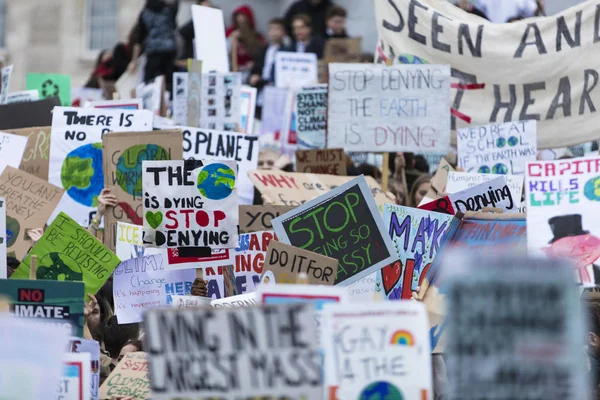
x: 243, y: 33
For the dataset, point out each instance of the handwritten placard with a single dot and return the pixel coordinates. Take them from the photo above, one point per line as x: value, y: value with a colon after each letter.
x: 12, y: 148
x: 35, y: 159
x: 129, y: 378
x: 295, y: 69
x: 241, y: 300
x: 187, y: 301
x: 398, y: 108
x: 258, y: 218
x: 326, y: 161
x: 458, y: 181
x: 311, y: 117
x: 494, y: 193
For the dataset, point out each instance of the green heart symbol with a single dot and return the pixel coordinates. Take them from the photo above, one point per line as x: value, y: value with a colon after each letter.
x: 154, y: 219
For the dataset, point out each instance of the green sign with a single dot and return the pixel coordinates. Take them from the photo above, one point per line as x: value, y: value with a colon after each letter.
x: 67, y: 252
x: 58, y: 302
x: 51, y: 85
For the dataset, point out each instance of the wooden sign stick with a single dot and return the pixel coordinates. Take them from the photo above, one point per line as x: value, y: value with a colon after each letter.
x: 385, y: 172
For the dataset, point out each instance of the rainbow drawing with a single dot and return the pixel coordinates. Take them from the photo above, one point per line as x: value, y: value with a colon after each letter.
x: 402, y: 338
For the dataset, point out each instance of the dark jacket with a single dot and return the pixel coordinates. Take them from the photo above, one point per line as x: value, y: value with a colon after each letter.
x: 157, y: 26
x: 334, y: 36
x: 317, y: 13
x: 316, y: 45
x: 187, y: 34
x: 260, y: 63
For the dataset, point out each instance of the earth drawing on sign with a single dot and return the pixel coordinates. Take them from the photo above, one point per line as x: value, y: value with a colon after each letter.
x: 129, y: 165
x: 82, y: 175
x: 13, y: 228
x: 381, y: 391
x: 59, y: 267
x: 216, y: 181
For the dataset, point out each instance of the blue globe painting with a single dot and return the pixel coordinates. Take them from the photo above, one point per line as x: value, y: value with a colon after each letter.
x: 129, y: 165
x: 501, y: 142
x: 82, y: 175
x: 500, y: 169
x: 381, y: 391
x: 216, y: 181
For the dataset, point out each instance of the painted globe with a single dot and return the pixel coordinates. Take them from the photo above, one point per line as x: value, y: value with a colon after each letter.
x: 216, y: 181
x: 381, y: 391
x: 129, y: 165
x: 82, y: 175
x: 59, y: 267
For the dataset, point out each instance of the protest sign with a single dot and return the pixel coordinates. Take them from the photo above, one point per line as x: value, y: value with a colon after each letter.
x: 194, y: 93
x: 291, y: 189
x: 458, y: 181
x: 51, y: 85
x: 211, y: 258
x: 127, y: 83
x: 311, y: 117
x: 74, y: 382
x: 287, y: 136
x: 91, y: 347
x: 220, y: 101
x: 494, y: 193
x: 248, y: 96
x: 180, y: 98
x: 3, y: 238
x: 29, y: 203
x: 122, y: 158
x: 258, y: 218
x: 129, y: 378
x: 181, y: 302
x: 417, y: 236
x: 250, y: 258
x: 512, y: 327
x: 326, y: 161
x: 67, y: 252
x: 497, y: 148
x: 562, y: 205
x: 124, y: 104
x: 6, y: 73
x: 58, y: 303
x: 37, y: 152
x: 297, y: 357
x: 129, y: 242
x: 241, y: 300
x: 343, y: 50
x: 142, y: 283
x: 285, y: 263
x: 336, y: 222
x: 295, y: 69
x: 24, y: 96
x: 30, y: 358
x: 176, y: 189
x: 363, y: 289
x: 393, y: 358
x: 12, y: 148
x: 367, y: 113
x: 25, y: 115
x: 152, y: 94
x: 203, y: 144
x: 209, y: 23
x: 485, y: 88
x: 274, y: 101
x: 76, y: 154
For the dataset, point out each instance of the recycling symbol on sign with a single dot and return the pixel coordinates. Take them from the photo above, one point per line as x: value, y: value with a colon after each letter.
x: 49, y: 89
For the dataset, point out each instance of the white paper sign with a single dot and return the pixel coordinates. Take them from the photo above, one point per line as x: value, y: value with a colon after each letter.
x: 274, y: 100
x: 129, y: 242
x: 151, y: 94
x: 12, y: 148
x: 123, y: 104
x: 497, y: 148
x: 180, y: 97
x: 220, y: 101
x: 494, y: 193
x: 458, y: 181
x: 311, y: 117
x: 76, y: 154
x: 3, y: 239
x: 247, y: 108
x: 74, y: 383
x: 24, y: 96
x: 399, y: 108
x: 209, y: 25
x: 181, y: 302
x: 241, y: 300
x: 91, y: 347
x: 294, y: 70
x: 375, y: 349
x: 6, y: 73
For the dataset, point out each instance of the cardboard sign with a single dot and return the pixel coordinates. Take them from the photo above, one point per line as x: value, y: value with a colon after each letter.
x: 494, y: 193
x: 129, y: 378
x: 12, y: 148
x: 24, y: 96
x: 241, y: 300
x: 190, y: 204
x: 458, y: 181
x: 122, y: 158
x: 25, y: 115
x: 35, y: 159
x: 6, y: 73
x: 248, y: 97
x: 180, y: 98
x: 181, y: 302
x: 273, y: 112
x: 29, y: 203
x: 74, y: 382
x: 220, y: 101
x: 258, y: 218
x: 57, y: 303
x: 203, y: 144
x: 418, y: 236
x: 536, y: 332
x: 497, y: 148
x: 284, y: 263
x: 291, y: 189
x: 51, y: 85
x: 91, y: 347
x: 209, y: 23
x: 125, y: 104
x: 76, y: 154
x: 67, y: 252
x: 562, y: 204
x: 397, y: 361
x: 3, y: 239
x: 343, y: 219
x: 366, y: 112
x: 297, y: 357
x: 311, y: 117
x: 143, y: 283
x: 295, y: 69
x: 327, y: 161
x: 194, y: 93
x: 343, y: 50
x: 151, y: 94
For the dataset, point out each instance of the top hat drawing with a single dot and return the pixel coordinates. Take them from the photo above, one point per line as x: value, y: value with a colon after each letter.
x: 566, y: 226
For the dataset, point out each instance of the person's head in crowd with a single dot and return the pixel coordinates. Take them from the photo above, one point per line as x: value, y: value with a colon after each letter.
x: 419, y: 190
x: 131, y: 346
x: 11, y: 265
x: 367, y: 58
x: 276, y: 30
x: 117, y: 335
x: 398, y: 190
x: 301, y: 28
x: 369, y: 170
x: 421, y: 164
x: 336, y: 22
x: 592, y: 340
x: 101, y: 313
